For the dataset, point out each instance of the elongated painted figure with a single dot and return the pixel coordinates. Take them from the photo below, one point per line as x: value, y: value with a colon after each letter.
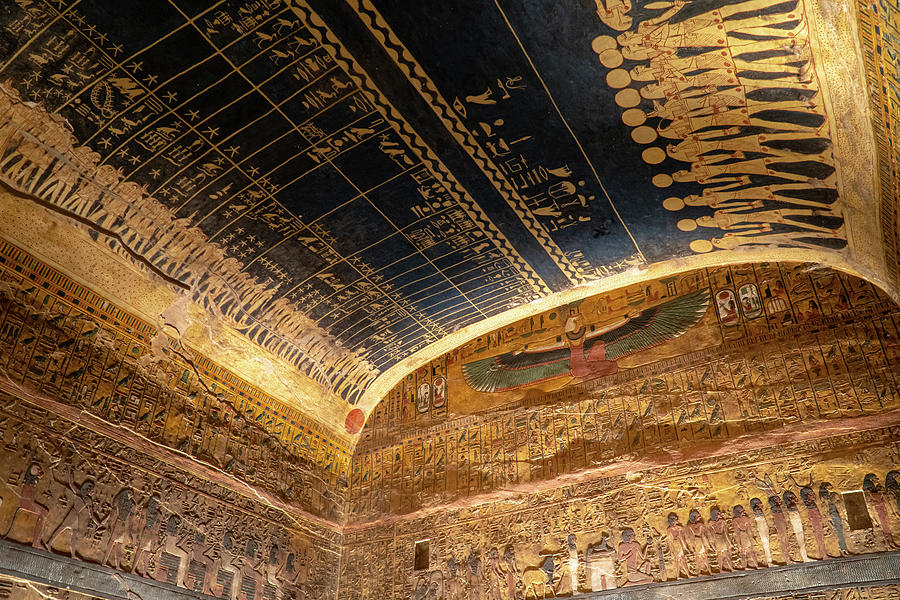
x: 831, y: 499
x: 743, y: 531
x: 793, y: 514
x: 762, y: 527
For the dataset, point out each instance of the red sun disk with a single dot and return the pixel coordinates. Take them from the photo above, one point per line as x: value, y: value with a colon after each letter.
x: 356, y: 418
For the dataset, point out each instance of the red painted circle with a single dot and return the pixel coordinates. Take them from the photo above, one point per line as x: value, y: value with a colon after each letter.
x: 355, y: 420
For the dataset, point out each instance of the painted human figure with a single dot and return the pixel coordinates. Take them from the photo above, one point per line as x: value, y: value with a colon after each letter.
x: 717, y: 533
x: 148, y: 536
x: 892, y: 488
x: 831, y: 498
x: 452, y: 585
x: 289, y: 577
x: 762, y: 527
x: 653, y: 537
x: 250, y: 571
x: 875, y: 499
x: 119, y: 521
x: 743, y: 531
x: 511, y: 571
x: 594, y: 363
x: 271, y: 566
x: 494, y: 575
x: 600, y: 565
x: 200, y: 554
x: 474, y: 576
x: 793, y: 514
x: 777, y: 510
x: 568, y: 576
x: 697, y: 541
x: 808, y: 497
x: 675, y: 534
x: 614, y: 13
x: 79, y: 517
x: 227, y: 563
x: 28, y: 502
x: 633, y: 557
x: 172, y: 545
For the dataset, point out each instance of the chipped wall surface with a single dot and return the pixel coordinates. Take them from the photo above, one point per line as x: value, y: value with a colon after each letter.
x: 59, y: 339
x: 321, y: 182
x: 728, y: 352
x: 122, y: 447
x: 764, y: 381
x: 81, y: 487
x: 733, y: 418
x: 382, y: 300
x: 754, y: 509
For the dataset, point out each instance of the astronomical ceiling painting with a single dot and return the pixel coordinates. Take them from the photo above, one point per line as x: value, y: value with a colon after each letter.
x: 348, y: 183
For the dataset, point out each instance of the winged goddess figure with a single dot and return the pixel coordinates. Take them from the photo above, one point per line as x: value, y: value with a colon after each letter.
x: 588, y: 355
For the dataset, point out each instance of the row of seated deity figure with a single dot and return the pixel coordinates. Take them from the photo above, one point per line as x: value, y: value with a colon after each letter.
x: 147, y: 537
x: 778, y: 529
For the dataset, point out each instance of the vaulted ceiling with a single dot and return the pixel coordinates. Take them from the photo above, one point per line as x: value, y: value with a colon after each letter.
x: 349, y: 188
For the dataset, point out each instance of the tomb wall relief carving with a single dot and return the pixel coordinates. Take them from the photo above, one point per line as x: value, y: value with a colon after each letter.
x: 786, y: 504
x: 62, y: 340
x: 70, y: 490
x: 759, y: 348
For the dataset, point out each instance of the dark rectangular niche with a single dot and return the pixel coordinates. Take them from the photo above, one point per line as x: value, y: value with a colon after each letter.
x: 421, y: 559
x: 857, y: 511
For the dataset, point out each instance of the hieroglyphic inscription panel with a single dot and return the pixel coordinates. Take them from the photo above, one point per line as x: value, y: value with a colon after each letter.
x: 791, y: 503
x: 61, y: 339
x: 779, y: 346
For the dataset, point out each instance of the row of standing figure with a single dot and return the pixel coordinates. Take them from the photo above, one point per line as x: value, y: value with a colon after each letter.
x: 717, y: 544
x: 156, y: 535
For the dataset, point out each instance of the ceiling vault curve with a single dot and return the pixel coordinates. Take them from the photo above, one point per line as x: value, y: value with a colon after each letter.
x: 326, y: 196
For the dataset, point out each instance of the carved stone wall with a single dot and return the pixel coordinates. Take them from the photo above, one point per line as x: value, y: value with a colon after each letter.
x: 352, y: 188
x: 62, y: 340
x: 783, y: 504
x: 821, y: 346
x: 131, y: 458
x: 75, y: 485
x: 760, y: 436
x: 122, y: 447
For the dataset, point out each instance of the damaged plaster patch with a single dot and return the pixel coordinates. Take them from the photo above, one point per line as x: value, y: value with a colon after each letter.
x: 177, y: 316
x: 44, y: 163
x: 83, y: 336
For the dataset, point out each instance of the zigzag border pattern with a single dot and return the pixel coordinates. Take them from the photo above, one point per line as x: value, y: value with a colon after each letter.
x: 325, y: 37
x: 404, y: 59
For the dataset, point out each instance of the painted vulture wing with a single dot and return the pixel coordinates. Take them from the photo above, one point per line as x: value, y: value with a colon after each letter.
x: 651, y: 327
x: 515, y: 369
x: 654, y: 325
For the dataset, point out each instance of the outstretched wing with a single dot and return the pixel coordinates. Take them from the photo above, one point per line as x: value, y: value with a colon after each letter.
x: 654, y: 325
x: 515, y: 369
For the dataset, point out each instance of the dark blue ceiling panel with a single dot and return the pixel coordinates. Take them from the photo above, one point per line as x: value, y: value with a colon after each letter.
x: 396, y: 171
